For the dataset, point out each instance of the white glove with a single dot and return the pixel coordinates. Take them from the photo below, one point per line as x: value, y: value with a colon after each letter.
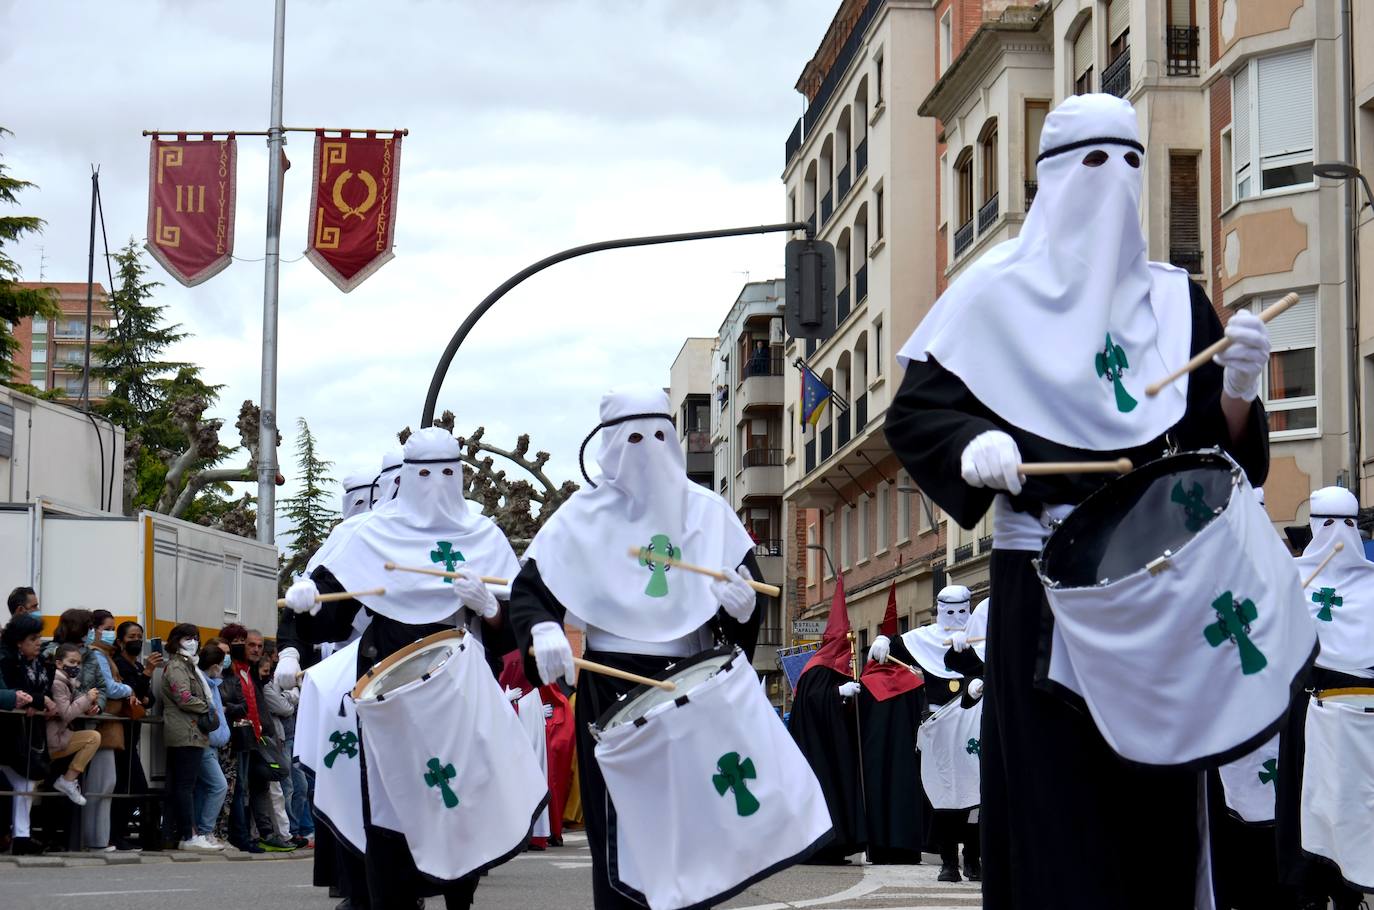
x: 958, y: 640
x: 735, y: 595
x: 287, y: 668
x: 882, y: 646
x: 475, y: 596
x: 512, y: 694
x: 1247, y: 356
x: 300, y: 597
x: 849, y: 689
x: 553, y: 655
x: 990, y: 460
x: 975, y: 689
x: 548, y: 711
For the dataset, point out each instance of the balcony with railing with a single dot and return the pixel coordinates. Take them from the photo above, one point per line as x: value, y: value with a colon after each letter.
x: 811, y: 222
x: 809, y: 464
x: 842, y: 183
x: 794, y: 140
x: 827, y: 206
x: 700, y: 458
x: 841, y: 305
x: 861, y: 285
x: 964, y: 552
x: 860, y: 410
x: 761, y: 475
x: 762, y: 382
x: 1187, y: 258
x: 1116, y: 78
x: 963, y: 238
x: 811, y: 345
x: 827, y: 442
x: 835, y: 74
x: 1180, y: 52
x: 985, y: 544
x: 1031, y: 187
x: 987, y: 215
x: 841, y: 429
x: 860, y: 157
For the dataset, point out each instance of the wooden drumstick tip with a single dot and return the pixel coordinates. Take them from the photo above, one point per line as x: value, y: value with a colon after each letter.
x: 1206, y: 354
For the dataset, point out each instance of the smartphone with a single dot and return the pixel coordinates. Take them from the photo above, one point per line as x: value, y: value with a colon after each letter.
x: 155, y: 646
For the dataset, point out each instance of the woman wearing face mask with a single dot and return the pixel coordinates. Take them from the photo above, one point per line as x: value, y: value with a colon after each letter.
x: 211, y: 785
x: 129, y: 777
x: 71, y: 703
x: 22, y: 738
x: 98, y: 672
x: 185, y: 707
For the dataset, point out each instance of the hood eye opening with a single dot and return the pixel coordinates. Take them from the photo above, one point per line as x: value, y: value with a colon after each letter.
x: 1095, y: 158
x: 1132, y: 159
x: 448, y: 472
x: 1328, y: 523
x: 636, y: 438
x: 424, y: 472
x: 658, y: 435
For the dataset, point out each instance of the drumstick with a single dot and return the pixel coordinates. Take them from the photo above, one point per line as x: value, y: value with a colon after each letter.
x: 1323, y: 564
x: 440, y: 573
x: 594, y: 667
x: 1033, y: 469
x: 950, y: 641
x: 340, y: 595
x: 645, y: 553
x: 1206, y: 354
x: 901, y: 663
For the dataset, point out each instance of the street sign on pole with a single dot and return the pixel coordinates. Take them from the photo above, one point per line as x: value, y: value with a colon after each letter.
x: 808, y: 627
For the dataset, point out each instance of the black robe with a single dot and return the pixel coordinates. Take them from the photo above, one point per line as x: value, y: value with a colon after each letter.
x: 1065, y: 823
x: 896, y: 807
x: 531, y: 603
x: 823, y: 724
x: 948, y: 828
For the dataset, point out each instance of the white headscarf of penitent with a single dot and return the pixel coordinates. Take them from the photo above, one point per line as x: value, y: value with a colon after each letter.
x: 928, y: 643
x: 1341, y: 597
x: 358, y: 494
x: 642, y: 497
x: 429, y: 525
x: 1059, y: 330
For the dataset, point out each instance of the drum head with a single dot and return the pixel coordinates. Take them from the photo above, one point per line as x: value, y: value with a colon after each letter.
x: 686, y: 674
x: 415, y: 661
x: 1135, y: 519
x: 1359, y: 699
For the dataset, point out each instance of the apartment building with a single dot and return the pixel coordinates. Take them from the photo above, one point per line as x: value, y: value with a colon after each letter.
x: 858, y: 168
x: 52, y: 352
x: 689, y: 400
x: 1360, y: 215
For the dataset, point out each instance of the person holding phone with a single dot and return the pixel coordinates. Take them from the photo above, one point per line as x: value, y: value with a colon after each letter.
x: 129, y: 776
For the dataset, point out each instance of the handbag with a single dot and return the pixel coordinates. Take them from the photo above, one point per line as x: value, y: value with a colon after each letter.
x: 241, y: 738
x: 207, y: 722
x: 265, y: 764
x: 128, y: 707
x: 111, y: 735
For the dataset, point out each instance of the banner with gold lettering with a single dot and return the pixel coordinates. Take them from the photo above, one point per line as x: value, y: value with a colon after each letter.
x: 353, y: 205
x: 191, y: 189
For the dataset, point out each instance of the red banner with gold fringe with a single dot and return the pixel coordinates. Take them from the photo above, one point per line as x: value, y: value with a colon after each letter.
x: 353, y: 205
x: 191, y: 190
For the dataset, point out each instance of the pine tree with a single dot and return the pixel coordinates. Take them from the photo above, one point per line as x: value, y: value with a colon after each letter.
x: 308, y: 511
x: 17, y: 303
x: 135, y: 343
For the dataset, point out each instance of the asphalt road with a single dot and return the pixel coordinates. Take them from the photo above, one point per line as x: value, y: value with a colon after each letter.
x: 558, y: 878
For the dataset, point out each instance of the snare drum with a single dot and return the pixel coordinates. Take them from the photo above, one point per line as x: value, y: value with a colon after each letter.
x: 448, y: 764
x: 1178, y: 614
x: 713, y: 760
x: 1338, y: 782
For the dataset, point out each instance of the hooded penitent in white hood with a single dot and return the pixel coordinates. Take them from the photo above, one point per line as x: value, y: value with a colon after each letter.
x: 641, y: 498
x: 1341, y: 598
x: 389, y: 479
x: 428, y: 524
x: 358, y: 494
x: 1059, y: 330
x: 928, y: 643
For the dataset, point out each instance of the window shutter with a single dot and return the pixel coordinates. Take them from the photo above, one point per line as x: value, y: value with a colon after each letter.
x: 1184, y: 232
x: 1180, y: 13
x: 1285, y: 103
x: 1083, y: 49
x: 1118, y: 18
x: 1297, y: 328
x: 1240, y: 118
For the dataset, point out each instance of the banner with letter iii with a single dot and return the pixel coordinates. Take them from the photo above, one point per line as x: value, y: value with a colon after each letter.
x: 191, y: 189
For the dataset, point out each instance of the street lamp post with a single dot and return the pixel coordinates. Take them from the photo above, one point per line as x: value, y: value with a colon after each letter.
x: 1342, y: 170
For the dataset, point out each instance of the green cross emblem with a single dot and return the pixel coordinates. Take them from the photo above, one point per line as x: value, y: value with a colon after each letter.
x: 1233, y: 624
x: 974, y: 747
x: 658, y: 582
x: 1328, y: 598
x: 732, y: 776
x: 1112, y: 364
x: 345, y: 743
x: 448, y: 556
x: 1193, y: 504
x: 1270, y: 772
x: 438, y: 776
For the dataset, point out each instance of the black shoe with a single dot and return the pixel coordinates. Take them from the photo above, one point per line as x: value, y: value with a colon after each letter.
x: 345, y: 904
x: 27, y: 846
x: 124, y: 845
x: 973, y: 870
x: 949, y: 872
x: 336, y: 892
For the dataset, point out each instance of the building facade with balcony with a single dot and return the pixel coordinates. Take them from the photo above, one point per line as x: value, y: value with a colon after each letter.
x: 1361, y: 109
x: 747, y: 432
x: 689, y: 397
x: 858, y: 167
x: 52, y: 352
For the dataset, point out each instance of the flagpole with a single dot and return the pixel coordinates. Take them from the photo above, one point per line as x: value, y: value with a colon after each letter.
x: 267, y: 419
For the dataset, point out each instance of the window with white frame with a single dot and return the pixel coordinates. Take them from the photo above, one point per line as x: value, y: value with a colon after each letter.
x: 1290, y: 382
x: 877, y: 357
x: 884, y: 515
x: 828, y: 543
x: 861, y: 530
x: 903, y: 508
x: 1272, y: 123
x: 878, y: 78
x: 946, y: 41
x: 1228, y: 169
x: 845, y: 561
x: 812, y: 557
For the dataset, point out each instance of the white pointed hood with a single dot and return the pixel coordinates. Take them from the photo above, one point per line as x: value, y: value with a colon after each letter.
x: 1026, y: 326
x: 1341, y: 598
x: 929, y: 643
x: 389, y: 478
x: 640, y: 498
x: 358, y: 493
x: 428, y: 525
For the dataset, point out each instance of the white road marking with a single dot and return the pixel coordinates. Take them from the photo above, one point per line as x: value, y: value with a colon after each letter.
x: 109, y: 893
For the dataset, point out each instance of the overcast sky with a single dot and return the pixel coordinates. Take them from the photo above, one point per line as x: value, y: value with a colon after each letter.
x: 534, y: 126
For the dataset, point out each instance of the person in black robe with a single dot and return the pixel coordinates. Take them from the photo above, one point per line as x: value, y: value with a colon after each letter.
x: 1066, y: 824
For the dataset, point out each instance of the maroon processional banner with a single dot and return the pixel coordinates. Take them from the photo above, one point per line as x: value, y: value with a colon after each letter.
x: 353, y: 205
x: 191, y: 187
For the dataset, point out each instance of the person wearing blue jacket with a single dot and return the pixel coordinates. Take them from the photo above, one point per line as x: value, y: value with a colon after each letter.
x: 211, y: 786
x: 98, y: 672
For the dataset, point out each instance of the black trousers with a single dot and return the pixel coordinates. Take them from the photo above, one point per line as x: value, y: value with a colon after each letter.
x: 951, y: 827
x: 183, y: 769
x: 129, y: 778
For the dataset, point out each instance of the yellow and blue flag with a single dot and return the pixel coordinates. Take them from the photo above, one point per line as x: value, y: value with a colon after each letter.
x: 815, y: 395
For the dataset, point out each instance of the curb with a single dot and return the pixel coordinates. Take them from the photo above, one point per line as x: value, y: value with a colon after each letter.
x: 80, y: 860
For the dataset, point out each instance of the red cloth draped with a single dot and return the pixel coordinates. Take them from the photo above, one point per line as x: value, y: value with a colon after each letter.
x: 884, y: 681
x: 559, y: 736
